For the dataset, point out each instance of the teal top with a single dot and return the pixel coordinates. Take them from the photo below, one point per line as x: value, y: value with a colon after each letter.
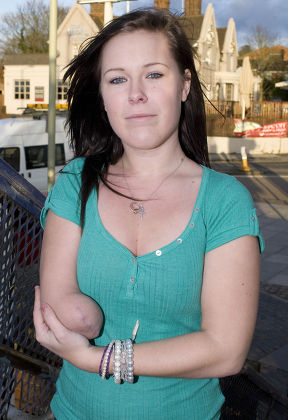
x: 161, y: 289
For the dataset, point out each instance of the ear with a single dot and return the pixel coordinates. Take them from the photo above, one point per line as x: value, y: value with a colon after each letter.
x: 186, y: 85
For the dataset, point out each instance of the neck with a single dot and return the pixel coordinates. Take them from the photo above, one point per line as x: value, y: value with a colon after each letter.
x: 151, y: 163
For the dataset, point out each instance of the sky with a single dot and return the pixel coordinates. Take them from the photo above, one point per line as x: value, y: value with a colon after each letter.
x: 272, y: 14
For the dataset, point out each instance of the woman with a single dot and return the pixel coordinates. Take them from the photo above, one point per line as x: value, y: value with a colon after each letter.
x: 139, y: 224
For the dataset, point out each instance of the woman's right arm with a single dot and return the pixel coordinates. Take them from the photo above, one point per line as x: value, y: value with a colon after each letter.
x: 58, y: 278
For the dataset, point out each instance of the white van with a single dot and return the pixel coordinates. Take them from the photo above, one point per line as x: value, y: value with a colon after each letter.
x: 24, y: 145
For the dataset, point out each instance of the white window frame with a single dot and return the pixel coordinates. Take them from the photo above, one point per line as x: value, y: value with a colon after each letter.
x: 62, y: 89
x: 21, y: 89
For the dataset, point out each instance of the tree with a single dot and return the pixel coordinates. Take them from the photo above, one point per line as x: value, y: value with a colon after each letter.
x: 26, y: 31
x: 270, y: 92
x: 261, y: 37
x: 245, y: 49
x: 260, y: 40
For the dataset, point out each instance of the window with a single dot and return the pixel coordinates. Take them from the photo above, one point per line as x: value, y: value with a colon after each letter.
x: 62, y: 90
x: 75, y: 50
x: 11, y: 155
x: 37, y: 156
x: 218, y: 91
x: 22, y: 89
x: 229, y: 92
x: 39, y: 93
x: 59, y: 155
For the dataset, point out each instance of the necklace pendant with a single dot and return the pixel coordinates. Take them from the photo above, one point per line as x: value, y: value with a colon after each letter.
x: 137, y: 208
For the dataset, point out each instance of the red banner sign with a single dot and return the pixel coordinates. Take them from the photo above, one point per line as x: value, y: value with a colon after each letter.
x: 279, y: 129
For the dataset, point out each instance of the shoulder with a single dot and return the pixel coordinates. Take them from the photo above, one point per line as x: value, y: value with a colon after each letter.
x: 70, y: 176
x: 64, y: 198
x: 74, y: 167
x: 228, y: 210
x: 222, y: 188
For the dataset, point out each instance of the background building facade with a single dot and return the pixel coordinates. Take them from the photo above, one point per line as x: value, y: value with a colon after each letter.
x: 26, y: 77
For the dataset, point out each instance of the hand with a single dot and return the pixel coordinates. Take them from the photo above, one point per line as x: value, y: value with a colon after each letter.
x: 52, y: 334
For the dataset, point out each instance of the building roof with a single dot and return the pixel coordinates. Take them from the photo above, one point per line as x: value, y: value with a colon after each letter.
x: 221, y: 37
x: 269, y: 52
x: 28, y: 59
x: 192, y: 26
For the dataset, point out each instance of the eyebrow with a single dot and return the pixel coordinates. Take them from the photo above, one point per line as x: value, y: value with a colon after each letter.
x: 145, y: 65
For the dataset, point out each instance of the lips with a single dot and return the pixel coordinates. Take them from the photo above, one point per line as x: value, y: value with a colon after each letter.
x: 139, y: 116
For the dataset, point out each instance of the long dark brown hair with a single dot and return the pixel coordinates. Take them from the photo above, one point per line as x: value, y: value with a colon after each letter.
x: 91, y: 134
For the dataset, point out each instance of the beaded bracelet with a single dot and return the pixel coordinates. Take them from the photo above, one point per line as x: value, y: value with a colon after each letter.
x: 105, y: 362
x: 117, y: 362
x: 127, y: 370
x: 100, y: 366
x: 108, y: 362
x: 129, y: 361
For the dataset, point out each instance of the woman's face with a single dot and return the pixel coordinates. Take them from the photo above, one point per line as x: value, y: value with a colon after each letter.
x: 142, y: 89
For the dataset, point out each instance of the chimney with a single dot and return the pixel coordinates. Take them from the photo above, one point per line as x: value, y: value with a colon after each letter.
x: 193, y: 8
x: 97, y: 12
x: 162, y: 4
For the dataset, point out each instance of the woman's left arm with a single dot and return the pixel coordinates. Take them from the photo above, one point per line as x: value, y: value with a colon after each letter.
x: 229, y: 308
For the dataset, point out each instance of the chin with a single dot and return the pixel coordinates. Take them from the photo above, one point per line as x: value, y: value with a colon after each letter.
x: 145, y: 143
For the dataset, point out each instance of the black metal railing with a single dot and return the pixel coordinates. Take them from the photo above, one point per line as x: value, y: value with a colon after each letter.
x: 28, y: 371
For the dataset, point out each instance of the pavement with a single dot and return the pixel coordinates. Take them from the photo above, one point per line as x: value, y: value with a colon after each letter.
x: 258, y: 164
x: 269, y: 349
x: 270, y: 343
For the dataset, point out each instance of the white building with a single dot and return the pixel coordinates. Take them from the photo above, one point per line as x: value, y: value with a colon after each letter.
x: 217, y: 53
x: 26, y: 76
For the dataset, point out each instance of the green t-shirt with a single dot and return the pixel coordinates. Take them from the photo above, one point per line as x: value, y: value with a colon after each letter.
x: 161, y: 289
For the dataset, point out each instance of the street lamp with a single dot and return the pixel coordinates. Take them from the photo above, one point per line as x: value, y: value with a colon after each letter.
x: 52, y: 92
x: 108, y: 9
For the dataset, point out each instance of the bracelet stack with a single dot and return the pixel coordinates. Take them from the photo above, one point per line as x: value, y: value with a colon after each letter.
x: 123, y: 367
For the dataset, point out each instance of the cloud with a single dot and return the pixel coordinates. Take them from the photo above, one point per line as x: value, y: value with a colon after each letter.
x: 271, y: 14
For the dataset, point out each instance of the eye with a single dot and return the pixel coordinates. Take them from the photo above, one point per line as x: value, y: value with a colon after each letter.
x: 117, y: 80
x: 155, y: 75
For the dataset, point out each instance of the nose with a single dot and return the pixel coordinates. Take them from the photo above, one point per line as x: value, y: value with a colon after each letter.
x: 137, y: 94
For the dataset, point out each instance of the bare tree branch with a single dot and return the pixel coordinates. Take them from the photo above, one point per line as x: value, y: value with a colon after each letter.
x: 261, y: 37
x: 27, y: 29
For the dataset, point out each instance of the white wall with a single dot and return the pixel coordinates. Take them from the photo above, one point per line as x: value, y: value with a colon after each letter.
x: 77, y: 27
x: 38, y: 76
x: 253, y: 145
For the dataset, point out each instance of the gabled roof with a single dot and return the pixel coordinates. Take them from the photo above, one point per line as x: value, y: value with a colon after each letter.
x: 221, y: 37
x: 26, y: 59
x: 192, y: 26
x: 77, y: 8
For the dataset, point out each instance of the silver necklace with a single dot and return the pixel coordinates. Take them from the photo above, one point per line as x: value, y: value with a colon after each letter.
x: 136, y: 206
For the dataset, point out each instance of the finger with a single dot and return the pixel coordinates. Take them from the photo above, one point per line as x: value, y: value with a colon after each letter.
x: 53, y: 322
x: 39, y: 323
x: 37, y: 309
